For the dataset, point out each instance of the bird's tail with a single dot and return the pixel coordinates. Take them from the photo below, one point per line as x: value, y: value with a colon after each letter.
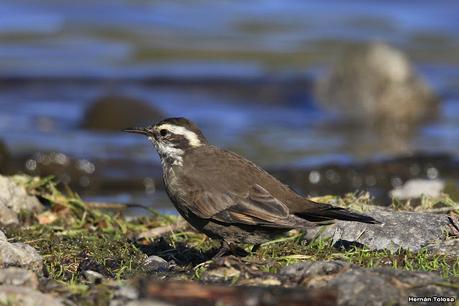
x: 323, y: 212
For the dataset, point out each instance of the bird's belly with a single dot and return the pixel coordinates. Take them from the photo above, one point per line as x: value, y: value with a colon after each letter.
x: 176, y: 195
x: 172, y: 185
x: 240, y: 233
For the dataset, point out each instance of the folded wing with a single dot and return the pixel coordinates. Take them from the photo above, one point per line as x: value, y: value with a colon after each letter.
x: 255, y: 207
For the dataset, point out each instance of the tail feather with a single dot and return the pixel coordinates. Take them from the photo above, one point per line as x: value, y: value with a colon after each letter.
x: 323, y: 212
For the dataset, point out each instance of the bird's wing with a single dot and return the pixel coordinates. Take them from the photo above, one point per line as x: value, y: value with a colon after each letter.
x: 256, y: 207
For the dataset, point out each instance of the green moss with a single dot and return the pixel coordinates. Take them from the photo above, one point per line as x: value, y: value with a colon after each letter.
x: 67, y: 253
x: 295, y: 250
x: 74, y: 236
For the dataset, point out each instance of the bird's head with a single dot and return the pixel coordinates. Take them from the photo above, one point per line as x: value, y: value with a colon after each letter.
x: 172, y: 137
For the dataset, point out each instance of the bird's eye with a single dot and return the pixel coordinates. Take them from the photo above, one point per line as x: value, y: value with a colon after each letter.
x: 163, y: 132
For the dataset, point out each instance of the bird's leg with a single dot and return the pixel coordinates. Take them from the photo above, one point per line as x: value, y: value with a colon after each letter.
x: 225, y: 247
x: 255, y: 248
x: 237, y: 251
x: 231, y: 248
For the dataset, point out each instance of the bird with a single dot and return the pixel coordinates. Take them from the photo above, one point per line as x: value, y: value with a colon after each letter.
x: 226, y: 196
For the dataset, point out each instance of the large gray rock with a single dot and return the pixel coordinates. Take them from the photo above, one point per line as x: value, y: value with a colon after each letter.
x: 24, y: 296
x: 19, y: 255
x: 14, y: 199
x: 18, y: 277
x: 375, y: 83
x: 359, y: 286
x: 405, y: 230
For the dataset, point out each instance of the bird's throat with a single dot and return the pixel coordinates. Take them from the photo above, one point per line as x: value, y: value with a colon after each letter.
x: 168, y: 154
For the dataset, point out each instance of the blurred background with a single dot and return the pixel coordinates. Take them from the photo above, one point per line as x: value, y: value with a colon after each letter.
x: 330, y: 96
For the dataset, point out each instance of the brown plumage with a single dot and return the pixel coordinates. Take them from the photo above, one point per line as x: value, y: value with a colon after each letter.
x: 226, y: 196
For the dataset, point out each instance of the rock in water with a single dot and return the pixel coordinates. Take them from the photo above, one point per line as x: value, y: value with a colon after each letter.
x: 13, y: 199
x: 114, y: 113
x: 416, y: 188
x: 376, y: 84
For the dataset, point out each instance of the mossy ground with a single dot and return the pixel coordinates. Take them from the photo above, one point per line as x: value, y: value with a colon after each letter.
x: 74, y: 236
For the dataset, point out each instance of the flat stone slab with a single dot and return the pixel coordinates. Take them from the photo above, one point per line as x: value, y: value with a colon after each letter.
x: 399, y: 230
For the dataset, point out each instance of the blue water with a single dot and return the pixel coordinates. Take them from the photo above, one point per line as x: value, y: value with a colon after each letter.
x: 103, y: 37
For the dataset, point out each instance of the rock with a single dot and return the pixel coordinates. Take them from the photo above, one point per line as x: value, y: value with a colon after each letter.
x: 18, y: 277
x: 16, y: 295
x: 359, y: 286
x: 19, y: 255
x: 448, y: 247
x: 370, y: 287
x: 415, y: 188
x: 375, y: 83
x: 7, y: 216
x: 14, y: 199
x: 116, y: 112
x: 406, y: 230
x: 93, y: 277
x: 156, y: 264
x: 123, y: 295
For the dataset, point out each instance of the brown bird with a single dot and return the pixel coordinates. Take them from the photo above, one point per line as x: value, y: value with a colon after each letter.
x: 226, y: 196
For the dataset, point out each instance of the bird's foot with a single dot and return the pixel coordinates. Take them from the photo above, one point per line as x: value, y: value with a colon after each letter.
x: 222, y: 251
x: 231, y: 249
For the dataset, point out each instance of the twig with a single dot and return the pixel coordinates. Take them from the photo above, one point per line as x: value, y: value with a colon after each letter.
x: 120, y: 206
x: 161, y: 231
x: 440, y: 210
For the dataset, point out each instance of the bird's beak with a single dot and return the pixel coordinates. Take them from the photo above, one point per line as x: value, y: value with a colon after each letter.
x: 138, y: 130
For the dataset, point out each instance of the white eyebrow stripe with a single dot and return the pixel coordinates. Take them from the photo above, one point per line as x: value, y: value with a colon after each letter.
x: 180, y: 130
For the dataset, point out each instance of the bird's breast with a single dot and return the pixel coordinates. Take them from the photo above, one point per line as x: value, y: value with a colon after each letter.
x: 175, y: 188
x: 170, y: 178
